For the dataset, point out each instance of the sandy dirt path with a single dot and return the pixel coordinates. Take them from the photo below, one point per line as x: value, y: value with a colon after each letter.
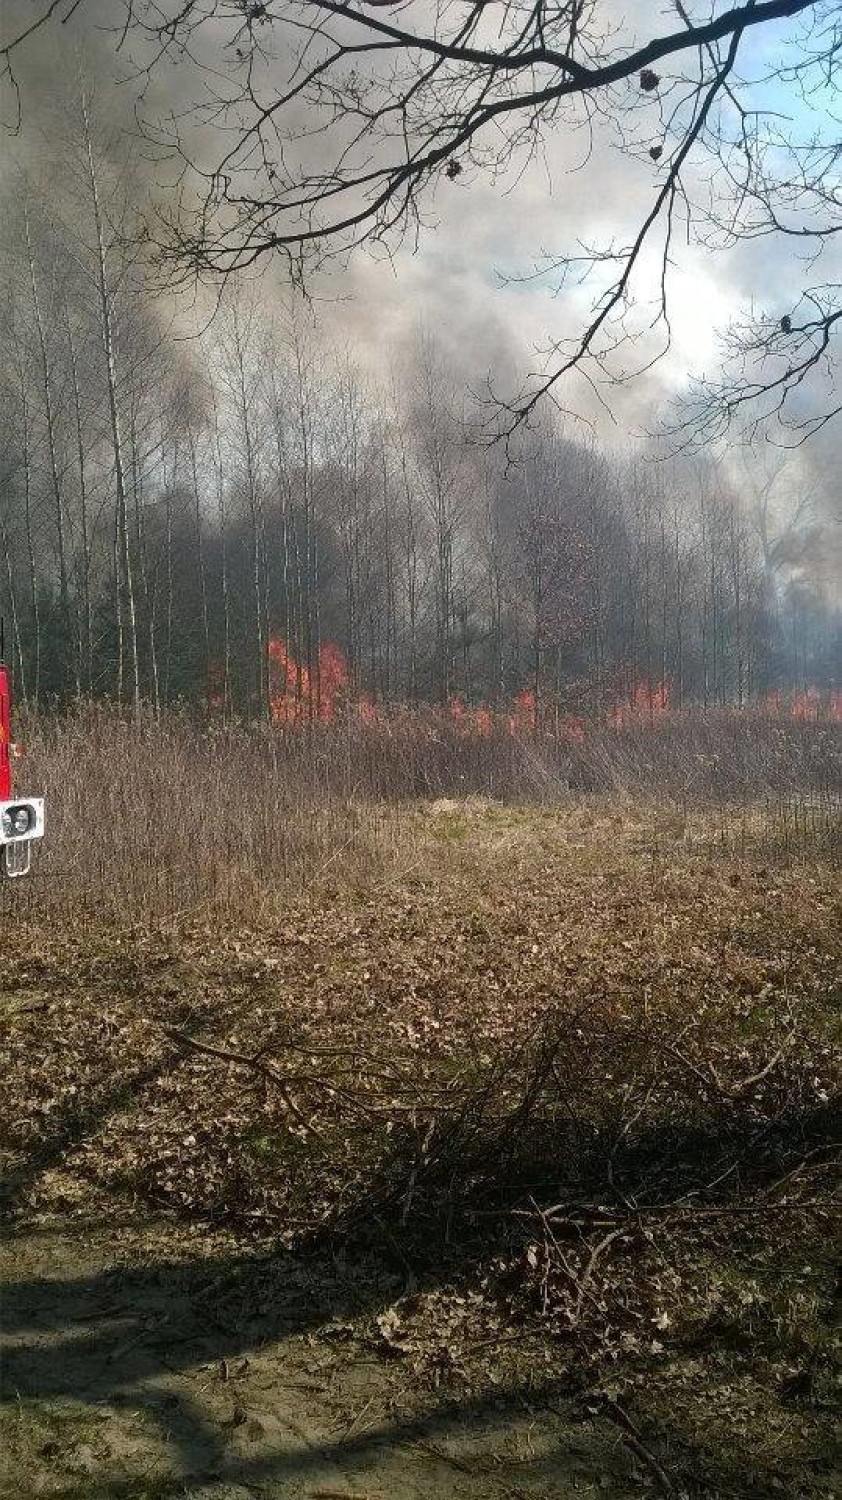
x: 130, y: 1374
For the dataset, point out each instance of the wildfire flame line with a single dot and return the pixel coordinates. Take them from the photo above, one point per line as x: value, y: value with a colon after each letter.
x: 299, y: 695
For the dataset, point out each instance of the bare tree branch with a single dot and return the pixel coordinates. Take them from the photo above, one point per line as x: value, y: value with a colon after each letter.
x: 312, y: 128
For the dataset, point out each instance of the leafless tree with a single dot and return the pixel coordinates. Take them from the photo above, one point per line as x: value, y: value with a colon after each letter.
x: 242, y: 375
x: 338, y: 121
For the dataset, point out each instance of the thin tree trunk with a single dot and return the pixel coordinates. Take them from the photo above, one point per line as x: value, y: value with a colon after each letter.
x: 223, y: 545
x: 13, y: 605
x: 146, y: 582
x: 30, y: 538
x: 58, y: 498
x: 86, y: 631
x: 200, y: 553
x: 114, y: 412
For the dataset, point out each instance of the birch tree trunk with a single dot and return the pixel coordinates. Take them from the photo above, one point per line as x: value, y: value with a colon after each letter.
x: 86, y: 625
x: 69, y: 633
x: 110, y: 359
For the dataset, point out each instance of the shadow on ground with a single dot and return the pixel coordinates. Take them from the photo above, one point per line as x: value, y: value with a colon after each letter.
x: 233, y: 1371
x: 231, y: 1374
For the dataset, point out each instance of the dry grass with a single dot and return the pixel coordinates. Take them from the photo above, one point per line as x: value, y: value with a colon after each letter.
x: 172, y: 816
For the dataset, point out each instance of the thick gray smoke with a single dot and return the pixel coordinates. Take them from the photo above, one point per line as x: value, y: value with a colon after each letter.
x: 470, y: 278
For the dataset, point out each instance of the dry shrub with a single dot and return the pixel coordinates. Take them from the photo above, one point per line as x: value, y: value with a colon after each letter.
x: 158, y: 818
x: 151, y: 819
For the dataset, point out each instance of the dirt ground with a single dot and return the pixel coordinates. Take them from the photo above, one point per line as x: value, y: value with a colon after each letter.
x: 137, y: 1380
x: 175, y: 1326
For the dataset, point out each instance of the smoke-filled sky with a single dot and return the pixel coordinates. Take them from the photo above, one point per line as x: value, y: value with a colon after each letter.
x: 462, y: 280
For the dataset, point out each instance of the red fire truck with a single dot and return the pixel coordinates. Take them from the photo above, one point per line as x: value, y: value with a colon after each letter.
x: 21, y: 818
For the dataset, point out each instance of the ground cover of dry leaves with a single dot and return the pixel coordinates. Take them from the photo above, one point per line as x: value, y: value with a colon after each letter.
x: 511, y: 1176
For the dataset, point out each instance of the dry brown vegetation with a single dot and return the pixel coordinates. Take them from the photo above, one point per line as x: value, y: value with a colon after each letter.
x: 156, y: 820
x: 510, y: 1140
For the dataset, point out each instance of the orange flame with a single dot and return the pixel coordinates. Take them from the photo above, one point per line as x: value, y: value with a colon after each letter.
x: 289, y: 685
x: 298, y: 696
x: 572, y: 729
x: 294, y: 695
x: 471, y: 723
x: 807, y: 705
x: 333, y: 680
x: 647, y: 700
x: 524, y: 720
